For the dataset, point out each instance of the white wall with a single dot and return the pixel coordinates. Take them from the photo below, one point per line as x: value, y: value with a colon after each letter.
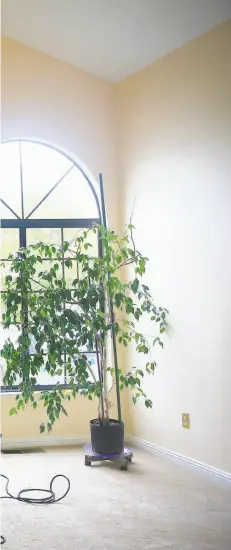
x: 175, y: 143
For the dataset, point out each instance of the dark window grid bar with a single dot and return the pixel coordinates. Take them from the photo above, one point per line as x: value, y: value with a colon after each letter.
x: 100, y: 246
x: 22, y: 238
x: 8, y: 389
x: 37, y: 388
x: 53, y: 259
x: 45, y: 354
x: 9, y: 208
x: 63, y: 276
x: 51, y: 190
x: 35, y: 291
x: 83, y: 223
x: 24, y: 308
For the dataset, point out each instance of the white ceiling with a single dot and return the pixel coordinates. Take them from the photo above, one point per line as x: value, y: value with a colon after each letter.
x: 110, y: 38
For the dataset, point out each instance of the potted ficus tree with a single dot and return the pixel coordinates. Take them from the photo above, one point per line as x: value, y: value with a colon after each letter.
x: 66, y: 321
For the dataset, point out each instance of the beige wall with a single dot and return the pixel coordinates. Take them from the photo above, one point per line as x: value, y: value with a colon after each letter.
x: 26, y: 424
x: 174, y: 137
x: 49, y: 100
x: 175, y: 159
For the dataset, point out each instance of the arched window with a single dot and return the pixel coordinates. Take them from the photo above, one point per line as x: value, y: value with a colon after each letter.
x: 45, y: 196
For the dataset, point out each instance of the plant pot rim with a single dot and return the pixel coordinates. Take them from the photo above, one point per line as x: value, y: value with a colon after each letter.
x: 112, y: 421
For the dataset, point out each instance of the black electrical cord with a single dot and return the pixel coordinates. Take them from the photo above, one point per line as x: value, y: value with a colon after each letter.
x: 49, y: 499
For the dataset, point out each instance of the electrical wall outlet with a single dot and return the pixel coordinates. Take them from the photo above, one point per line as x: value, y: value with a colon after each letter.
x: 186, y: 421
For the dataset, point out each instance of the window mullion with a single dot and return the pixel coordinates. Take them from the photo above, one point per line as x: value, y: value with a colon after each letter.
x: 63, y: 275
x: 24, y: 329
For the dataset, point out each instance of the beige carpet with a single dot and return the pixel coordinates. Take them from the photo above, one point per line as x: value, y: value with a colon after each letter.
x: 159, y: 503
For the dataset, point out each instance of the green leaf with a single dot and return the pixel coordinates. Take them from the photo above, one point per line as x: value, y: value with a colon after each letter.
x: 135, y: 285
x: 13, y: 411
x: 64, y: 315
x: 119, y: 299
x: 137, y: 314
x: 134, y: 399
x: 148, y: 403
x: 68, y: 262
x: 140, y: 373
x: 42, y: 428
x: 129, y: 308
x: 21, y: 404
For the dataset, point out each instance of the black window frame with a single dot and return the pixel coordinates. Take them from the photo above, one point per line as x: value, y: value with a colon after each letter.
x: 24, y: 223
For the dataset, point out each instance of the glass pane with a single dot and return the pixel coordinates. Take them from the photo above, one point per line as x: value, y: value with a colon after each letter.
x: 71, y: 273
x: 9, y: 241
x: 2, y: 373
x: 4, y: 272
x: 93, y: 373
x: 10, y: 176
x: 13, y: 334
x: 42, y: 168
x: 37, y: 282
x: 71, y: 234
x: 5, y: 213
x: 47, y: 236
x: 45, y: 379
x: 73, y: 198
x: 92, y: 358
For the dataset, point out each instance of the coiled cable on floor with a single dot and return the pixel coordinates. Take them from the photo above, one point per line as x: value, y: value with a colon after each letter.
x: 49, y: 499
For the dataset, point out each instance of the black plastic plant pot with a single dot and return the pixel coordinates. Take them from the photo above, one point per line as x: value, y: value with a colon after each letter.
x: 107, y: 439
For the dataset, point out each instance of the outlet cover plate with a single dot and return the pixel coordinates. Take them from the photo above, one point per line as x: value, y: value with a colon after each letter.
x: 186, y: 421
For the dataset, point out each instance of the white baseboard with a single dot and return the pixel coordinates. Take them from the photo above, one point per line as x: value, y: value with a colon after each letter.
x: 156, y: 448
x: 28, y: 443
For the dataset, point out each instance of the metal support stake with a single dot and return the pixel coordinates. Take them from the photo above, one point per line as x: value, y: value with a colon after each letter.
x: 104, y: 223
